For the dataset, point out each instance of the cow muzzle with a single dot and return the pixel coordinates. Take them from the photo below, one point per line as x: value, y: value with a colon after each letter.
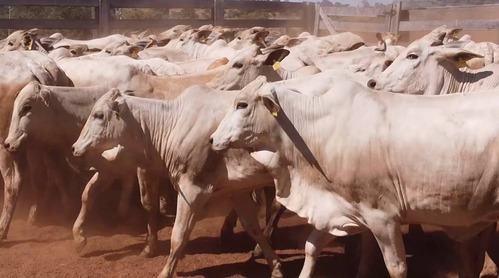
x: 372, y: 84
x: 218, y: 146
x: 77, y: 151
x: 12, y: 145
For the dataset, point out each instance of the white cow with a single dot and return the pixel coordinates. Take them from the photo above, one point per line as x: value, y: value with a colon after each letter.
x: 171, y: 137
x: 354, y: 159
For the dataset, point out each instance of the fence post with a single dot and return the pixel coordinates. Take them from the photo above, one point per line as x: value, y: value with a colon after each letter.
x: 310, y: 17
x: 317, y: 20
x: 218, y: 13
x: 395, y: 17
x: 104, y: 7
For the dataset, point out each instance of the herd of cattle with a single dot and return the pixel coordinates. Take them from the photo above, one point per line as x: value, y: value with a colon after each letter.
x: 222, y: 113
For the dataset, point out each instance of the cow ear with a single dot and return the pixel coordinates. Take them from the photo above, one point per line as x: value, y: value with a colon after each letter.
x: 202, y: 35
x: 276, y: 56
x: 114, y: 105
x: 458, y: 56
x: 28, y: 42
x: 269, y: 99
x: 45, y: 96
x: 260, y: 37
x: 134, y: 51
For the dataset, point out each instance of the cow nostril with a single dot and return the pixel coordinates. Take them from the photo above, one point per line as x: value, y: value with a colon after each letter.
x: 6, y: 145
x: 72, y: 149
x: 371, y: 83
x: 211, y: 141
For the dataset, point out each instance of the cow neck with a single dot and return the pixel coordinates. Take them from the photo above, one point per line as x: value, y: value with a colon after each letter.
x: 157, y: 119
x: 296, y: 119
x: 455, y: 80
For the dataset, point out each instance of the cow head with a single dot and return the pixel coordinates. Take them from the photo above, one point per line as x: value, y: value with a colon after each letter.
x: 121, y: 48
x: 257, y: 38
x: 246, y: 66
x: 249, y: 122
x: 421, y: 70
x: 104, y: 127
x: 20, y: 40
x: 29, y: 116
x: 173, y: 33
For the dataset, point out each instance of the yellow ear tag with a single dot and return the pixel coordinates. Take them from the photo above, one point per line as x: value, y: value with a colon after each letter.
x: 261, y: 40
x: 274, y: 113
x: 202, y: 39
x: 461, y: 64
x: 30, y: 45
x: 276, y: 65
x: 135, y: 54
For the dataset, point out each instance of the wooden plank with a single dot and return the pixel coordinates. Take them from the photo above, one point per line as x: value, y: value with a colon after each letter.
x: 248, y: 23
x: 218, y: 11
x: 466, y: 24
x: 204, y: 4
x: 309, y: 19
x: 327, y: 22
x: 104, y: 16
x: 395, y: 17
x: 261, y: 5
x: 49, y: 23
x: 79, y: 3
x: 355, y: 26
x: 317, y: 20
x: 155, y: 23
x: 355, y: 11
x: 423, y: 5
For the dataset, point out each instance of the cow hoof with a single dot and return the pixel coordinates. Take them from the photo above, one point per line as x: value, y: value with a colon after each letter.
x: 257, y: 252
x: 148, y: 252
x: 276, y: 272
x: 80, y: 244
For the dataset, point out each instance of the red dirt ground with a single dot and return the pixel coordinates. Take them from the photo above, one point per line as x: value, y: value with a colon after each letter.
x: 113, y: 251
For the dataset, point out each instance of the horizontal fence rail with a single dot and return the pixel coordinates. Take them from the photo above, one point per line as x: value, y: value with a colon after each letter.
x: 398, y: 17
x: 104, y: 22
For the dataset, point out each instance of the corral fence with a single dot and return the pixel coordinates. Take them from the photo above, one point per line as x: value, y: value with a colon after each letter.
x: 302, y: 14
x: 410, y: 19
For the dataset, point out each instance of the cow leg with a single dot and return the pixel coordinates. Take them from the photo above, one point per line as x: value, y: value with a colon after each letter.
x: 149, y: 197
x: 38, y: 178
x: 126, y: 195
x: 389, y: 237
x: 316, y: 241
x: 188, y: 204
x: 228, y: 227
x: 12, y: 172
x: 88, y: 196
x: 369, y: 251
x: 492, y: 260
x: 471, y: 253
x: 277, y: 211
x: 248, y: 215
x: 54, y: 169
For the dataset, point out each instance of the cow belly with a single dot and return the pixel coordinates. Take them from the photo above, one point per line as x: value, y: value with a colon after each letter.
x: 323, y: 209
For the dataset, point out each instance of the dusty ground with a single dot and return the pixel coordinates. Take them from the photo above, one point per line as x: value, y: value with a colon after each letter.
x: 114, y: 246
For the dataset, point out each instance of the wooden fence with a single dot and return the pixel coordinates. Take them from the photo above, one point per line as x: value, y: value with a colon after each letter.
x: 400, y: 18
x: 104, y: 23
x: 405, y: 17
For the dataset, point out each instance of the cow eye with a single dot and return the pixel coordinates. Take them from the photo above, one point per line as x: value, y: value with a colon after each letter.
x: 412, y: 56
x: 237, y: 65
x: 99, y: 115
x: 108, y: 51
x: 241, y: 105
x: 10, y: 43
x: 26, y: 108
